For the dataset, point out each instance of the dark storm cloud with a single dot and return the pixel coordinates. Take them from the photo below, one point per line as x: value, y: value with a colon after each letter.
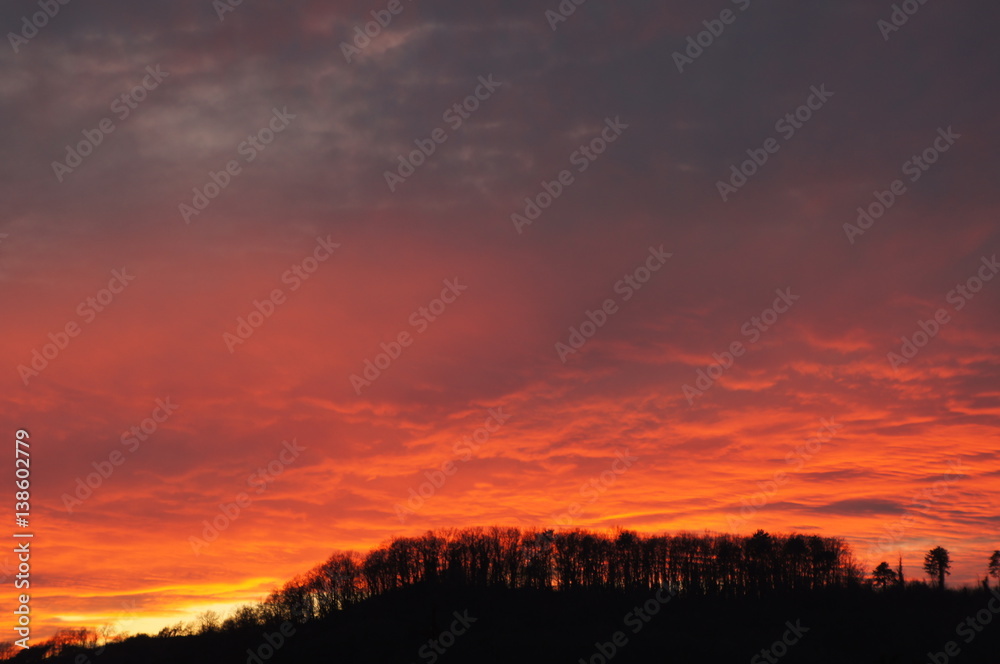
x: 354, y: 119
x: 857, y: 506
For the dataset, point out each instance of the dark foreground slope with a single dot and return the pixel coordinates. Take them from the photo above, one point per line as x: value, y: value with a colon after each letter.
x: 495, y: 625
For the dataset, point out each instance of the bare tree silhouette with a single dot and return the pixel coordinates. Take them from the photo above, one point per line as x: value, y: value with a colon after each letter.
x: 697, y: 565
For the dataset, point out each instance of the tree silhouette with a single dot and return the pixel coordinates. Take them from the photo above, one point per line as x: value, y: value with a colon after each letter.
x: 994, y: 568
x: 760, y: 561
x: 883, y: 576
x: 796, y: 552
x: 408, y: 585
x: 572, y: 559
x: 209, y: 621
x: 937, y: 563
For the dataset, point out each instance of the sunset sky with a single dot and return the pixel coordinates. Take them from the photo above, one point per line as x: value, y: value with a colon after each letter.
x: 604, y: 111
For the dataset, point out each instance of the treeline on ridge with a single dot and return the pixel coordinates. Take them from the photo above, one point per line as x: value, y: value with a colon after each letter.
x: 701, y: 565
